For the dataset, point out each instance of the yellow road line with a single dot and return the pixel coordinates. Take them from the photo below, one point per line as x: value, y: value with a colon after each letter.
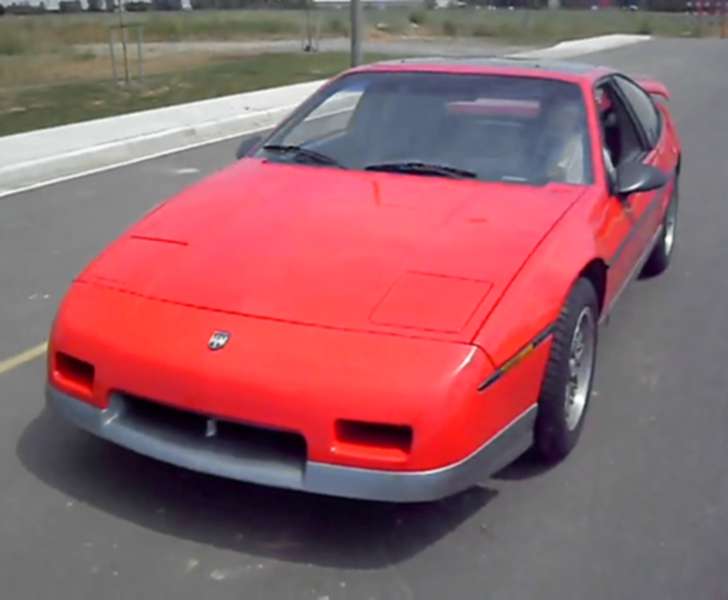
x: 22, y: 358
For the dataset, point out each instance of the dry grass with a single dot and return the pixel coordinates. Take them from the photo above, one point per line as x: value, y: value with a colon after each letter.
x: 66, y: 67
x: 39, y: 33
x: 22, y: 109
x: 46, y: 80
x: 34, y: 34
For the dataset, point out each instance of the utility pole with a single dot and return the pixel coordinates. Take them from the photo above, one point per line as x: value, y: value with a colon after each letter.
x: 356, y: 25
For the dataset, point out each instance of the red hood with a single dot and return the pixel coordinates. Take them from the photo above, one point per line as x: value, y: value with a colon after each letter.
x: 411, y: 255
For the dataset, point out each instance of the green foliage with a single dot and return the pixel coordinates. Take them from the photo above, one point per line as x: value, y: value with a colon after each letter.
x: 13, y: 43
x: 418, y: 17
x: 483, y: 30
x: 449, y: 28
x: 336, y: 26
x: 645, y: 27
x: 50, y: 105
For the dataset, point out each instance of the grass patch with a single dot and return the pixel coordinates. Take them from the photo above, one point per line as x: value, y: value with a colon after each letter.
x: 51, y: 105
x: 221, y: 25
x: 449, y: 28
x: 546, y: 26
x: 418, y: 17
x: 71, y: 66
x: 52, y: 31
x: 12, y: 44
x: 337, y: 26
x: 43, y: 33
x: 46, y: 79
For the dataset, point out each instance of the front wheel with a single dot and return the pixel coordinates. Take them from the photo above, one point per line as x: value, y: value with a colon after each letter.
x: 567, y: 384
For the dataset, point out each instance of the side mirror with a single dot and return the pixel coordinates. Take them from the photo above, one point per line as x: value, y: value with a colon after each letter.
x: 637, y: 177
x: 247, y: 145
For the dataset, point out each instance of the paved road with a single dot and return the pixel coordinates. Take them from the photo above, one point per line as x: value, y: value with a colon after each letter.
x: 396, y: 46
x: 640, y: 510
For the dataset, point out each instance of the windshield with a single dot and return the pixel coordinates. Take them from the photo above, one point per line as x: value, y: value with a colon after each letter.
x: 490, y: 127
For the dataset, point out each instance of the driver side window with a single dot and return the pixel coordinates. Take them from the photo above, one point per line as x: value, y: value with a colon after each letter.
x: 620, y: 140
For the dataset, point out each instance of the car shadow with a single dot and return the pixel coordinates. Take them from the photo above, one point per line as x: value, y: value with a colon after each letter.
x: 255, y: 520
x: 528, y: 465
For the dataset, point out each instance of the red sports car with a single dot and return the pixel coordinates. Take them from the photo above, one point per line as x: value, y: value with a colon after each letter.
x: 392, y: 295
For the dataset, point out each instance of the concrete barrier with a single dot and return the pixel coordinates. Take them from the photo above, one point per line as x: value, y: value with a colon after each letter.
x: 571, y: 48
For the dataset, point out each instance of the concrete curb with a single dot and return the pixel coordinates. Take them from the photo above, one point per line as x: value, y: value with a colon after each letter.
x: 46, y: 156
x: 571, y: 48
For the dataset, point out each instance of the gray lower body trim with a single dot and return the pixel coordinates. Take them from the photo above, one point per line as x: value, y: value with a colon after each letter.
x: 201, y: 454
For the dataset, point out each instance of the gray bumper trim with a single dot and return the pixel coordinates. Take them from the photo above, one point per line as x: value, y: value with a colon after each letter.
x: 392, y: 486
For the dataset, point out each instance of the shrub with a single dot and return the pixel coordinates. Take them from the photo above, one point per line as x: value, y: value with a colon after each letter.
x: 70, y: 6
x: 12, y: 44
x: 449, y: 28
x: 645, y: 27
x: 336, y: 26
x: 418, y: 17
x: 483, y: 30
x: 82, y: 56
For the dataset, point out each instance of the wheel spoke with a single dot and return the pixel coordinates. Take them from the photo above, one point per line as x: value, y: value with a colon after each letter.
x: 580, y: 367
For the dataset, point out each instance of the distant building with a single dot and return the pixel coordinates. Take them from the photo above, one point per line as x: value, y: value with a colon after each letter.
x: 172, y: 4
x: 372, y: 3
x: 98, y: 5
x: 55, y: 5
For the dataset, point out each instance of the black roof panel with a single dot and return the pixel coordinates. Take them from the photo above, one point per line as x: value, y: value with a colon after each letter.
x: 554, y: 66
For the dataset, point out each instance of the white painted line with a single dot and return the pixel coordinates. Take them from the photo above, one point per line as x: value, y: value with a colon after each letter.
x: 24, y: 357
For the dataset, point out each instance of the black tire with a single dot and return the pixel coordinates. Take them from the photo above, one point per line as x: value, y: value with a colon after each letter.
x: 661, y: 254
x: 557, y: 432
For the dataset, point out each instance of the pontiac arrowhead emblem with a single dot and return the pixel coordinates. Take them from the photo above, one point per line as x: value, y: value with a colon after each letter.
x: 218, y: 340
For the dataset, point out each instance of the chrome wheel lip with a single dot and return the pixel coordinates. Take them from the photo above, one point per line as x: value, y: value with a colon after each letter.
x: 670, y: 226
x: 581, y: 367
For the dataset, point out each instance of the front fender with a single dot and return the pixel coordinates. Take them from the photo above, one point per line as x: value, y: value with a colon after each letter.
x: 533, y: 300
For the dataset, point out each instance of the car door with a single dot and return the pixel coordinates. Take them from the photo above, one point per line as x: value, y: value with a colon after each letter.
x: 629, y: 222
x: 660, y: 151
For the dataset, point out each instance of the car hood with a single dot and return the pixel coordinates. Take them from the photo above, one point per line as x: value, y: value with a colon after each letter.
x: 397, y: 254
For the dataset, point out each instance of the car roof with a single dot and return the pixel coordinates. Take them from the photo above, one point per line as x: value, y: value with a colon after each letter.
x: 525, y: 67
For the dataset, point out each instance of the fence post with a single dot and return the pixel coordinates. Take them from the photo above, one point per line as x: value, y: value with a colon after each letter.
x: 699, y: 7
x: 140, y: 50
x: 113, y: 56
x: 356, y: 32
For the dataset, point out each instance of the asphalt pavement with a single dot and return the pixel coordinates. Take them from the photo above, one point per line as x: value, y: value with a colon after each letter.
x: 395, y: 46
x: 639, y: 510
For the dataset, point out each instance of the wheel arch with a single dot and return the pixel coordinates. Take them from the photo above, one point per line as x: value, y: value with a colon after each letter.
x: 596, y: 272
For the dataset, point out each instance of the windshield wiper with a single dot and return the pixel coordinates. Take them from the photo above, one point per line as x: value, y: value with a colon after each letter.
x: 421, y: 168
x: 301, y: 152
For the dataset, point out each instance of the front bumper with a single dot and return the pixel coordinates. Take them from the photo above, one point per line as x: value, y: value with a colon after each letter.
x: 258, y: 464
